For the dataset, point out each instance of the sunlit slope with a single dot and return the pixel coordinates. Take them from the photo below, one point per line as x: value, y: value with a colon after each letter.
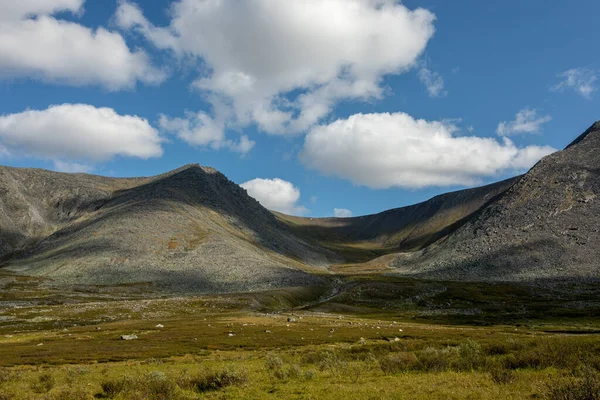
x: 191, y: 228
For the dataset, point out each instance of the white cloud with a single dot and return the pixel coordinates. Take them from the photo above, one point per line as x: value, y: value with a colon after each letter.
x: 243, y: 146
x: 433, y: 81
x: 396, y: 150
x: 276, y: 194
x: 342, y: 213
x: 201, y: 130
x: 78, y: 132
x: 196, y: 129
x: 11, y: 10
x: 66, y: 52
x: 72, y: 167
x: 285, y: 65
x: 526, y: 121
x: 580, y: 80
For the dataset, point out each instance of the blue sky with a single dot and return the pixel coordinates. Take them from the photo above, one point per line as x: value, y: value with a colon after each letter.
x: 356, y: 105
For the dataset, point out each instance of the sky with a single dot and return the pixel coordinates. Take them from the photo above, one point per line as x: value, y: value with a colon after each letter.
x: 316, y: 107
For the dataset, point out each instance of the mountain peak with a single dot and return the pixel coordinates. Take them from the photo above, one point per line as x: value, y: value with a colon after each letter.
x: 592, y: 131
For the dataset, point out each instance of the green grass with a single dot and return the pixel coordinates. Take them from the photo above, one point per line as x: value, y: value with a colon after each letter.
x: 379, y: 337
x: 375, y: 370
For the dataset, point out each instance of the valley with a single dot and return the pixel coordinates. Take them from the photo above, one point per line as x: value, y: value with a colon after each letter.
x: 182, y: 286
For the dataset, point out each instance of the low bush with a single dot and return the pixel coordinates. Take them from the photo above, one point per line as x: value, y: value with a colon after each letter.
x: 580, y: 386
x: 72, y: 393
x: 273, y: 362
x: 112, y: 388
x: 211, y: 381
x: 153, y: 386
x: 157, y: 386
x: 5, y: 395
x: 5, y: 376
x: 501, y: 375
x: 435, y: 360
x: 395, y: 363
x: 43, y: 384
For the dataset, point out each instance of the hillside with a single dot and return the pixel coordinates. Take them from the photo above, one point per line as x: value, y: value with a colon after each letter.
x: 404, y: 229
x: 194, y: 229
x: 545, y: 226
x: 191, y: 228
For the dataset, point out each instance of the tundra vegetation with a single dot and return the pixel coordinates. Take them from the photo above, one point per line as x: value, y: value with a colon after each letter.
x: 377, y: 338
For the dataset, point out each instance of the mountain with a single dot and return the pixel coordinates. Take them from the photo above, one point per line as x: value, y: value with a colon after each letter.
x: 191, y: 228
x: 194, y: 229
x: 405, y: 229
x: 546, y: 226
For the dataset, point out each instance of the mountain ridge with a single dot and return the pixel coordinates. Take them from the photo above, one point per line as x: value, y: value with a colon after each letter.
x: 194, y: 229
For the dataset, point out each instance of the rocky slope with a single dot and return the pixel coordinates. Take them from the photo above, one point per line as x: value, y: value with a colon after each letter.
x: 193, y: 229
x: 402, y: 229
x: 189, y: 229
x: 546, y: 226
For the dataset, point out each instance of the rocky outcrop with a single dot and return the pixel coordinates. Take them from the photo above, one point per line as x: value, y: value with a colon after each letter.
x: 546, y: 226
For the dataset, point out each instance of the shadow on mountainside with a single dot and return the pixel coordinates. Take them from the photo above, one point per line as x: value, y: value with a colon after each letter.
x: 527, y: 262
x: 405, y: 229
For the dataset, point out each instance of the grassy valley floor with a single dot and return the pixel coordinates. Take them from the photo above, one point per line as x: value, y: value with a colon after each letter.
x: 362, y: 338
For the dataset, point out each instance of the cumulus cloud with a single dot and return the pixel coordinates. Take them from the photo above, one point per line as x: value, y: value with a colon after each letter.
x: 36, y: 45
x: 201, y: 130
x: 396, y: 150
x: 76, y: 132
x: 342, y: 213
x: 526, y: 121
x: 433, y: 81
x: 11, y: 10
x: 580, y: 80
x: 276, y: 194
x: 284, y: 65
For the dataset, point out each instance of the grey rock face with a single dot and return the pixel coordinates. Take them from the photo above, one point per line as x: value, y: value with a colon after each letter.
x: 546, y: 226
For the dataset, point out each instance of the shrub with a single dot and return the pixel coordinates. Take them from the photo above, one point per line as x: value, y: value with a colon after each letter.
x: 319, y: 356
x: 5, y: 376
x: 584, y: 387
x: 155, y: 385
x: 398, y: 362
x: 72, y: 393
x: 353, y: 370
x: 309, y: 374
x: 502, y: 376
x: 294, y: 371
x: 470, y: 355
x: 44, y: 384
x: 330, y: 361
x: 211, y: 381
x: 4, y: 395
x: 434, y: 360
x: 113, y: 388
x: 273, y: 362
